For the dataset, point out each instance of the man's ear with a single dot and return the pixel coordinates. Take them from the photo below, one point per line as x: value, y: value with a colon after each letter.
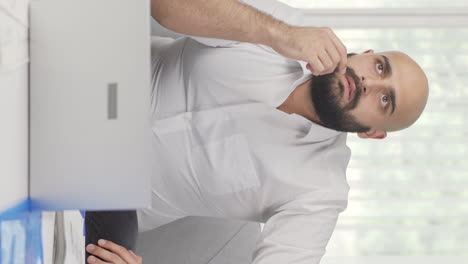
x: 376, y: 134
x: 369, y: 51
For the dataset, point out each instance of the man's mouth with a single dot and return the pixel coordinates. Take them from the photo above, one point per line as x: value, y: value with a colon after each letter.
x: 351, y: 88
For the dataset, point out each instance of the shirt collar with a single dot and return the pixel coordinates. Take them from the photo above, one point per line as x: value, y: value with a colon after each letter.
x: 304, y: 67
x: 316, y: 132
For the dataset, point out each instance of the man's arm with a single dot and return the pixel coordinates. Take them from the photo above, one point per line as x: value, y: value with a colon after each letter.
x: 299, y: 231
x: 232, y: 20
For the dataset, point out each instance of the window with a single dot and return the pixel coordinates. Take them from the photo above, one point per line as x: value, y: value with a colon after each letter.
x: 409, y: 192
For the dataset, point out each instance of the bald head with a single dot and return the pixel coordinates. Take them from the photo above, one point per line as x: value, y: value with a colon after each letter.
x: 411, y: 88
x: 394, y: 90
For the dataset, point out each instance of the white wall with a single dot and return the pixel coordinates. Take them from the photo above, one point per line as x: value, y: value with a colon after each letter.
x: 13, y: 103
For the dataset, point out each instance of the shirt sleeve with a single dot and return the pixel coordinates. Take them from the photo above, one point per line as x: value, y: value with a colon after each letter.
x: 274, y: 8
x: 299, y: 232
x: 281, y: 11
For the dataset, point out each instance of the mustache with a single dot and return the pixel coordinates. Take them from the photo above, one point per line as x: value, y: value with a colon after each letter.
x: 357, y: 96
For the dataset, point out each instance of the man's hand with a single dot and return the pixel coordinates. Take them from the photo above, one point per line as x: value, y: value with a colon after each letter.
x: 233, y: 20
x: 111, y: 253
x: 320, y: 47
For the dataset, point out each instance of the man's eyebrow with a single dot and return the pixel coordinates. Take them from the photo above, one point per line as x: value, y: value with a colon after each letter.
x: 392, y: 99
x: 387, y: 66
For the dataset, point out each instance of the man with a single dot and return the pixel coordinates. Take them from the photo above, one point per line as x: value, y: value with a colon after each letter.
x: 242, y: 132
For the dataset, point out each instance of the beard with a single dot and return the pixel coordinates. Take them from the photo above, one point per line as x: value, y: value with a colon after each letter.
x: 326, y: 91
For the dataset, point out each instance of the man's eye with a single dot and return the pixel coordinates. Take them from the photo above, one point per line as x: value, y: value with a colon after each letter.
x: 384, y: 100
x: 380, y: 68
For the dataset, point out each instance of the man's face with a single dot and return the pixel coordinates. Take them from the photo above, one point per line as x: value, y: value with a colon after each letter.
x: 333, y: 103
x: 380, y: 91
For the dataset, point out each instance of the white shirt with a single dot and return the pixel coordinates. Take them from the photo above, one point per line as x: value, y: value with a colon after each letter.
x: 224, y: 150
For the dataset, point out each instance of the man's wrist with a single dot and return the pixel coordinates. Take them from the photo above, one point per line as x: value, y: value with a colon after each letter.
x: 279, y: 33
x: 272, y: 32
x: 276, y: 33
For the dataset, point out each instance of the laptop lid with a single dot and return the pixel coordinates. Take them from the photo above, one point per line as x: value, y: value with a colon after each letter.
x: 90, y: 135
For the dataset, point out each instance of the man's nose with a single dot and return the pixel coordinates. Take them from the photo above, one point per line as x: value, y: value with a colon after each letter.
x: 370, y: 85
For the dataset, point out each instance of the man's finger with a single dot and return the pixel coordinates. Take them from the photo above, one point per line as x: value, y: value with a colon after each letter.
x: 333, y: 53
x: 138, y: 258
x: 94, y: 260
x: 102, y: 253
x: 327, y: 62
x: 117, y: 249
x: 341, y: 51
x: 316, y: 67
x: 342, y: 65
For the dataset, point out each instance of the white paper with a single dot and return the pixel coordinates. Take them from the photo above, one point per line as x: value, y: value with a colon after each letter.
x: 13, y: 34
x: 18, y: 8
x: 74, y: 239
x: 13, y: 137
x: 13, y: 102
x: 47, y: 225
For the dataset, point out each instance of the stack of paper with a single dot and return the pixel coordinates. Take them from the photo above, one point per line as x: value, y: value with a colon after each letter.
x: 13, y: 34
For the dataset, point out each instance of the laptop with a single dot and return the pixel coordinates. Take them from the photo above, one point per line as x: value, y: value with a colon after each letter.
x: 90, y: 135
